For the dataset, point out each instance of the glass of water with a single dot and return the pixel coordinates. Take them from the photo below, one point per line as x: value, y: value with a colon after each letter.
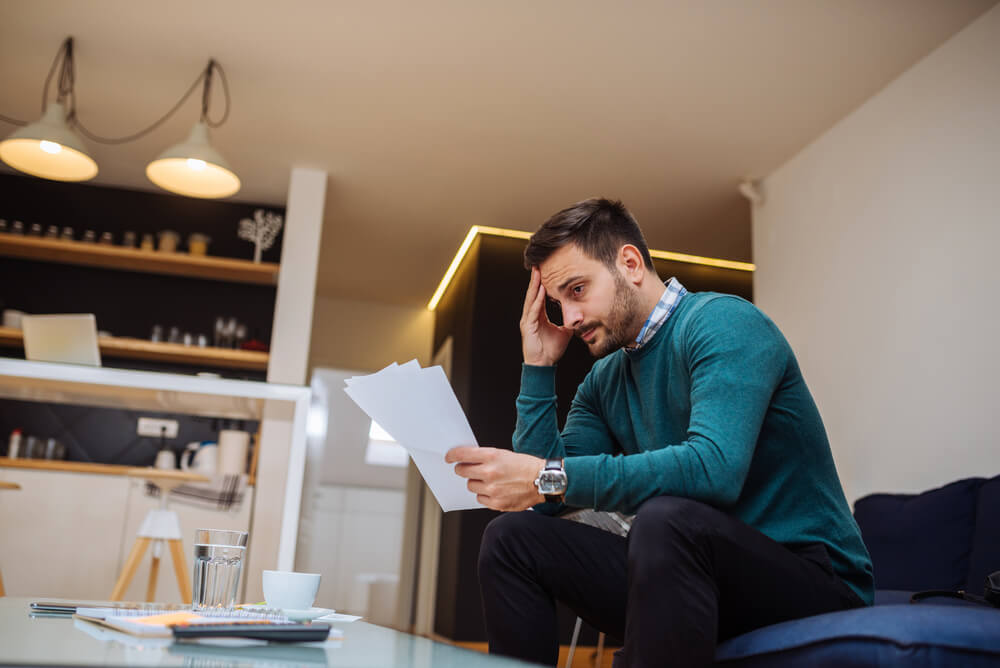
x: 218, y: 560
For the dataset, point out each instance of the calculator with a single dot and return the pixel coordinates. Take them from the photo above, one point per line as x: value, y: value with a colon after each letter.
x: 275, y: 632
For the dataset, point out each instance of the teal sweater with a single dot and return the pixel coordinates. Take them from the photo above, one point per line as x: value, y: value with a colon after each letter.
x: 712, y: 408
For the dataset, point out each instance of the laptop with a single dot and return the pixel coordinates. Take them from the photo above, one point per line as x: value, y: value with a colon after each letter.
x: 68, y: 339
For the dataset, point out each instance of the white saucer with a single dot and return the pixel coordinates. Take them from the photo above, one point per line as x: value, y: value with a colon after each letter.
x: 296, y: 615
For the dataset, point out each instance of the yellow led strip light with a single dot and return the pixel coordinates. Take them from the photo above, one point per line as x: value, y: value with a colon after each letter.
x: 519, y: 234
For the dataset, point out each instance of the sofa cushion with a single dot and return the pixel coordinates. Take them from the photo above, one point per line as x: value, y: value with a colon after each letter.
x: 985, y: 557
x: 920, y: 541
x: 886, y: 635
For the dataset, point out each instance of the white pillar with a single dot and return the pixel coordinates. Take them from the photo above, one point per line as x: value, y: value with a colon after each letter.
x: 293, y: 308
x: 281, y: 462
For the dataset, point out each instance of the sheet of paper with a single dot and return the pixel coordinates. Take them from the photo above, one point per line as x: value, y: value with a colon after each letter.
x: 419, y: 409
x: 339, y: 617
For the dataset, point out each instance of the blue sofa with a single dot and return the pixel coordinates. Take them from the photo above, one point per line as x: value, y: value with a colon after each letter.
x: 946, y: 538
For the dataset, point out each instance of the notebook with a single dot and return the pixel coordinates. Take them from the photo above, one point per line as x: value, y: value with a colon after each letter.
x: 269, y: 625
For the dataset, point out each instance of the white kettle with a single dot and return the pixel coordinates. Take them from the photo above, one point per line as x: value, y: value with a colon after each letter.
x: 200, y: 457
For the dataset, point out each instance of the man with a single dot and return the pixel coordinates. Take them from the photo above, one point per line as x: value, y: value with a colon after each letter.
x: 697, y: 419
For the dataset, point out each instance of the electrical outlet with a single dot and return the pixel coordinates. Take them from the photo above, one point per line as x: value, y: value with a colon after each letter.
x: 154, y: 426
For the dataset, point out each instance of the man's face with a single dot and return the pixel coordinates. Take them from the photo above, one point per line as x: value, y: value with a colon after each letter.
x: 597, y: 303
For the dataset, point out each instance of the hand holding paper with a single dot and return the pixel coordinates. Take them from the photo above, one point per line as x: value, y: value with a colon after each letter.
x: 501, y: 479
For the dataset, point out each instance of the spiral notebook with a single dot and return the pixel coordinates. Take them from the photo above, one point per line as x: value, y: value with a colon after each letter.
x: 147, y: 622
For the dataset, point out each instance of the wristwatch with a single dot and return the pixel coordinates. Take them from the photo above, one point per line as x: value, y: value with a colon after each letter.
x: 551, y: 481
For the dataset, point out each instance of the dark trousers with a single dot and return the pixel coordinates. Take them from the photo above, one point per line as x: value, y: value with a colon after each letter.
x: 687, y: 577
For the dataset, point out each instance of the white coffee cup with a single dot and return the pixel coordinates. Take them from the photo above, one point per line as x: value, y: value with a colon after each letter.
x: 290, y: 591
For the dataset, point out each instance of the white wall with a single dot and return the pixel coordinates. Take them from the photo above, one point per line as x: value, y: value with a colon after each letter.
x: 876, y: 250
x: 351, y: 535
x: 351, y: 527
x: 350, y: 334
x: 339, y: 435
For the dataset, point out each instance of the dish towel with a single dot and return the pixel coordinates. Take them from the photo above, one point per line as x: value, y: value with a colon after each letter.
x: 222, y: 492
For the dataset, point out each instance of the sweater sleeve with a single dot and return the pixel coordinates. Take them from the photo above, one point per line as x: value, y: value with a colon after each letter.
x: 735, y: 357
x: 537, y: 431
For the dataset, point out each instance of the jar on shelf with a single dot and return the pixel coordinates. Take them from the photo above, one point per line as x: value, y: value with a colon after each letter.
x: 147, y: 243
x: 198, y: 244
x: 168, y: 241
x: 14, y: 444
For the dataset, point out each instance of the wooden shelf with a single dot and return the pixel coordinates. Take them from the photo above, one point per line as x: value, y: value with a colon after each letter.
x: 131, y: 259
x: 176, y: 353
x: 60, y: 465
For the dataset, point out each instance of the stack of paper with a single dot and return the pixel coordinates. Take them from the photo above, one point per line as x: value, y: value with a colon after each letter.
x: 418, y: 408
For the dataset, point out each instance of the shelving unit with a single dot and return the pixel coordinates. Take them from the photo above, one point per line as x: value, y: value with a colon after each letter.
x: 175, y: 353
x: 131, y: 259
x: 130, y: 290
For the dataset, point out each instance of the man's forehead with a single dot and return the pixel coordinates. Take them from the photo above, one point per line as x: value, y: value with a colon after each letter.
x: 565, y: 263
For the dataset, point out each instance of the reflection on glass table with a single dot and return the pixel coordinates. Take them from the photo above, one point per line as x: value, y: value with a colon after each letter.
x: 64, y: 641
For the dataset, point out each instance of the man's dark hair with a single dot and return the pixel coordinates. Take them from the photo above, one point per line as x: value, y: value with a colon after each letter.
x: 599, y: 226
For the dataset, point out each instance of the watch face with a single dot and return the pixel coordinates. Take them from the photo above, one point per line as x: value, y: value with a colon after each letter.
x: 552, y: 482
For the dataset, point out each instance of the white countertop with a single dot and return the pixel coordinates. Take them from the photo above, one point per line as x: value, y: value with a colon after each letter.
x: 141, y: 390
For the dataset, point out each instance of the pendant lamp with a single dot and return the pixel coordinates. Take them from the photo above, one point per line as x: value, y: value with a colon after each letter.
x: 49, y: 148
x: 194, y: 168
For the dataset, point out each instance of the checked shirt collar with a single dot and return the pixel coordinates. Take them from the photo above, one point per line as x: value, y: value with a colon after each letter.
x: 672, y: 294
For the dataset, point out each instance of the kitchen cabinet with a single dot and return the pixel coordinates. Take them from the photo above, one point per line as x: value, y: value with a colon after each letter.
x: 61, y: 524
x: 61, y: 533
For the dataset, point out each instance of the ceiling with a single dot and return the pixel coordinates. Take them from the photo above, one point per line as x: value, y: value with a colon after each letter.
x: 434, y: 116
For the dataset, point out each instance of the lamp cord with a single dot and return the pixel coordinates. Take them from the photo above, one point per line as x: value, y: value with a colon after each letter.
x: 12, y: 121
x: 66, y: 91
x: 206, y: 76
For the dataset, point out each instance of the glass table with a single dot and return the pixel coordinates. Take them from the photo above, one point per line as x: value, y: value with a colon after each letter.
x: 63, y: 641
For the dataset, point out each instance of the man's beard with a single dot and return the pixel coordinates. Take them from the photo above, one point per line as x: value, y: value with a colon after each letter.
x: 620, y: 322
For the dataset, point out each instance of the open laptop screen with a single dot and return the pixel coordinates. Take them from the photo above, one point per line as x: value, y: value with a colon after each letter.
x: 69, y: 338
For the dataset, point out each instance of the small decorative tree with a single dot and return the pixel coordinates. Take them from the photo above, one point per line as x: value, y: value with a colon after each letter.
x: 262, y: 230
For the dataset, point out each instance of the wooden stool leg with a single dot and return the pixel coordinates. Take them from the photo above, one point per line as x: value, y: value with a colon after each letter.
x: 128, y: 571
x: 154, y: 571
x: 181, y: 569
x: 1, y: 585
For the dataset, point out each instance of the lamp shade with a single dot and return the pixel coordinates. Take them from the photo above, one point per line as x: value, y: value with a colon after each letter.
x: 49, y: 148
x: 194, y: 168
